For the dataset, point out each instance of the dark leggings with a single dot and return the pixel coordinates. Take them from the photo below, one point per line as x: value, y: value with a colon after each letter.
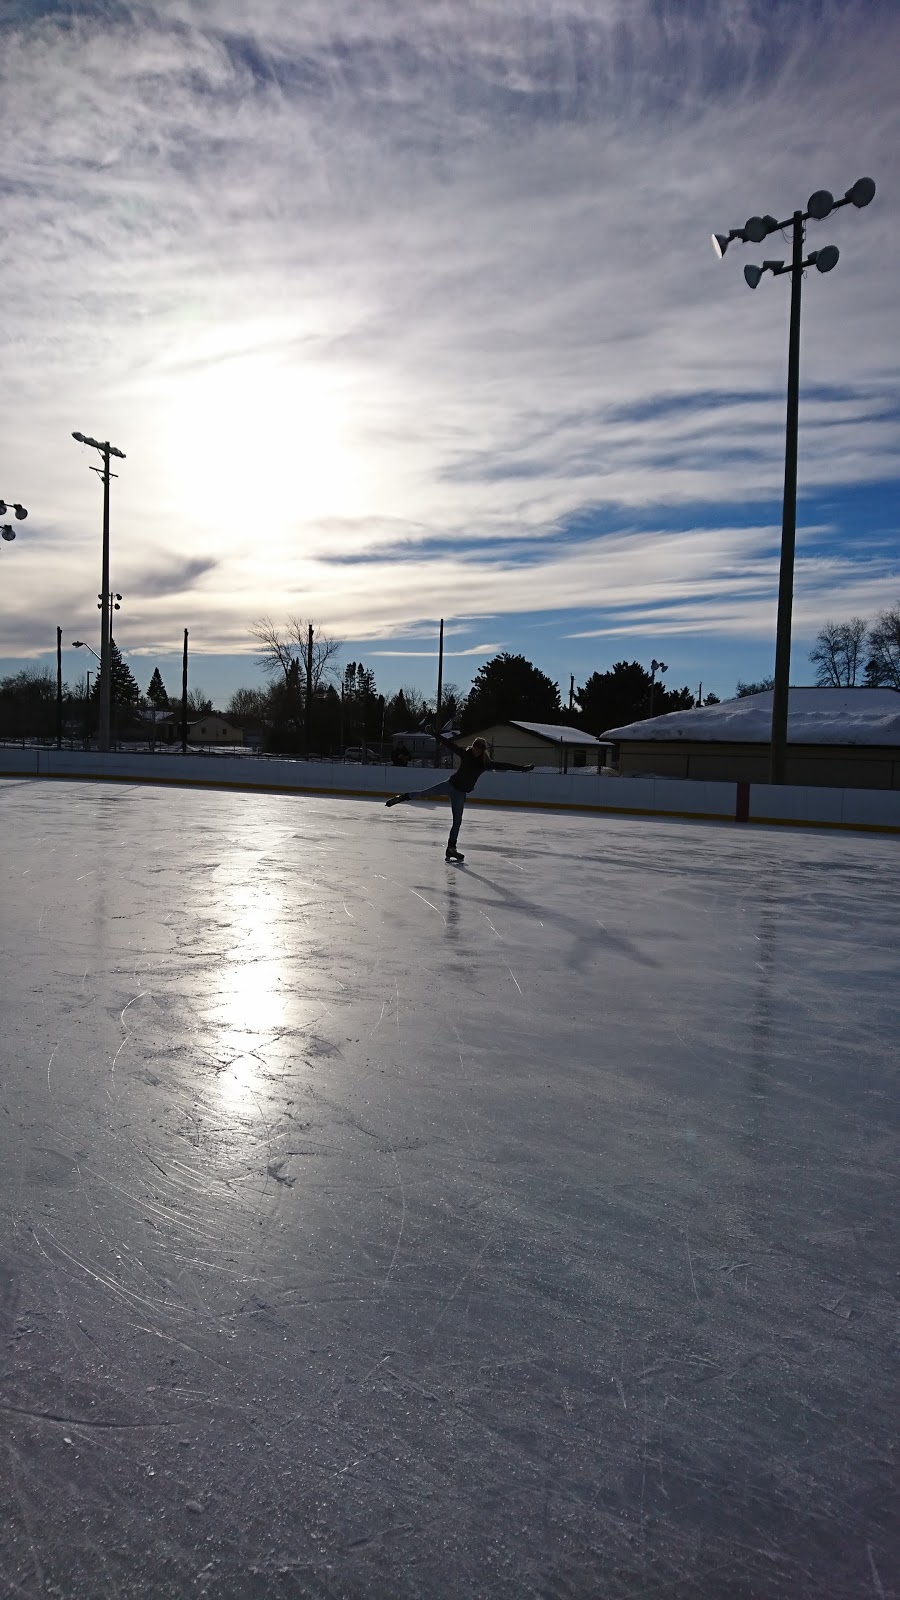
x: 457, y: 804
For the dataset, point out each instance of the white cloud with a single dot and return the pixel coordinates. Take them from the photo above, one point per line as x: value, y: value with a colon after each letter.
x: 343, y: 281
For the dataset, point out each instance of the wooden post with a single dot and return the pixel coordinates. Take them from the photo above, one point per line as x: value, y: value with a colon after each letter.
x: 184, y: 706
x: 59, y: 702
x: 438, y: 747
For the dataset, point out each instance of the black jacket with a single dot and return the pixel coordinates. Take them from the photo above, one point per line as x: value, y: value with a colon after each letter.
x: 471, y: 766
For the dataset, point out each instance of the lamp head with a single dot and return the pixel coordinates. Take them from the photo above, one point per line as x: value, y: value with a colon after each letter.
x: 827, y: 258
x: 862, y: 192
x: 77, y: 644
x: 20, y: 511
x: 720, y: 243
x: 752, y: 276
x: 2, y: 508
x: 755, y: 229
x: 820, y: 204
x: 7, y: 532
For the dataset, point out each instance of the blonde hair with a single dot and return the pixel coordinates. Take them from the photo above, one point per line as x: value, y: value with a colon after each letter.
x: 476, y: 742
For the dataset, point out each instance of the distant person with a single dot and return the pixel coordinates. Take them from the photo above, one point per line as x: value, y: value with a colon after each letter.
x: 401, y: 756
x: 474, y: 760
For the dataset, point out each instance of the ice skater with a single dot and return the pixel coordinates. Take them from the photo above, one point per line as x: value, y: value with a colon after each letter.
x: 473, y: 761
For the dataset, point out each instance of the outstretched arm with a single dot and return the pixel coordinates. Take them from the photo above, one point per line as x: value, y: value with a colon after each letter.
x: 508, y: 766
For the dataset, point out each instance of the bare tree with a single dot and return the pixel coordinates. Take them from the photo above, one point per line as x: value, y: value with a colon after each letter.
x: 883, y: 666
x: 416, y: 704
x: 837, y: 653
x: 281, y: 647
x: 248, y: 705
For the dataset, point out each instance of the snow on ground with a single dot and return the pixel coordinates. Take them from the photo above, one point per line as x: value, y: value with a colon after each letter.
x: 374, y: 1227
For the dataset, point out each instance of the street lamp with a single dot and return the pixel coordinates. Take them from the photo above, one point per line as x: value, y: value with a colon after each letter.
x: 7, y: 531
x: 655, y: 667
x: 106, y: 450
x: 819, y: 206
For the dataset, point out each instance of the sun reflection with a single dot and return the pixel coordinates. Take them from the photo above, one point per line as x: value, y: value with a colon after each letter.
x: 249, y: 1011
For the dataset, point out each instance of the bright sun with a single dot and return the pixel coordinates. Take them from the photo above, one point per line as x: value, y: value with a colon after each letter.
x: 262, y: 442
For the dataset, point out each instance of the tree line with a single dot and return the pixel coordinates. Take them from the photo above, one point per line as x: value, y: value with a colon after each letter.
x: 309, y: 703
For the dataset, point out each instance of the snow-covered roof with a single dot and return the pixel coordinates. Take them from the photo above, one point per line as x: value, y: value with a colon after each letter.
x: 559, y: 733
x: 815, y: 716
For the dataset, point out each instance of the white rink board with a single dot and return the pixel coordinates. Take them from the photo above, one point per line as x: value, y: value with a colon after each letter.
x: 813, y: 806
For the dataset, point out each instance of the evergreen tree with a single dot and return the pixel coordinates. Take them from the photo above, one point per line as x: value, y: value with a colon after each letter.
x: 510, y: 689
x: 615, y: 698
x: 672, y: 700
x: 156, y: 692
x: 123, y: 684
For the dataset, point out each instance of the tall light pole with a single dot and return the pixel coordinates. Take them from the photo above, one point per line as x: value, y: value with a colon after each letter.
x: 655, y: 667
x: 819, y: 206
x: 106, y: 450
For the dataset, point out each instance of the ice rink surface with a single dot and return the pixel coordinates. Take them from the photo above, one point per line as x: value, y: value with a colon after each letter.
x: 374, y: 1227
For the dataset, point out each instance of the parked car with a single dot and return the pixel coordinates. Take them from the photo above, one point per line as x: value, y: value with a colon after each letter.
x: 355, y: 753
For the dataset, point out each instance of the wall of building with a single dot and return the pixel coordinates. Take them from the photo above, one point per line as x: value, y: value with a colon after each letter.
x: 838, y: 767
x: 515, y: 744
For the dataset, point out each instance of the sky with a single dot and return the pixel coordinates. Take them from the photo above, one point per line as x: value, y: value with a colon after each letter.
x: 407, y: 309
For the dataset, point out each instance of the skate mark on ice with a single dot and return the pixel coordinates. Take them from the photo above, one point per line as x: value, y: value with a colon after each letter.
x: 430, y: 903
x: 402, y: 1220
x: 515, y: 980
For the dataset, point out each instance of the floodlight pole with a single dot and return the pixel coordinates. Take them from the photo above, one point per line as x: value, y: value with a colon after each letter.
x: 820, y: 205
x: 105, y: 685
x: 781, y: 694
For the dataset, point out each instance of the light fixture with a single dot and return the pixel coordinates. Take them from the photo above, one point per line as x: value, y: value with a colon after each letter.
x: 721, y: 241
x: 7, y: 532
x: 84, y: 438
x: 752, y: 276
x: 827, y: 258
x: 755, y: 229
x: 862, y: 192
x: 820, y: 205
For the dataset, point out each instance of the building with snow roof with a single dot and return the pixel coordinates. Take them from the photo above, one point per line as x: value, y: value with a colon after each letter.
x: 541, y: 744
x: 840, y: 738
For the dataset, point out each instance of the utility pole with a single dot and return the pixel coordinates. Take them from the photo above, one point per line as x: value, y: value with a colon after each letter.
x: 309, y: 687
x: 437, y: 719
x: 571, y: 692
x: 184, y: 707
x: 105, y: 699
x: 59, y: 702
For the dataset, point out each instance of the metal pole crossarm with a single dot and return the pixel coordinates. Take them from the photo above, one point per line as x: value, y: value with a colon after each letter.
x: 819, y: 206
x: 98, y: 444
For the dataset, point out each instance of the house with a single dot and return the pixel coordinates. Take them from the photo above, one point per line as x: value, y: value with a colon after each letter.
x: 541, y: 744
x: 213, y: 729
x: 842, y: 738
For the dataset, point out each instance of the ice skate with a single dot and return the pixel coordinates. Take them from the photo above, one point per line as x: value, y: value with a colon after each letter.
x: 396, y: 799
x: 454, y: 855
